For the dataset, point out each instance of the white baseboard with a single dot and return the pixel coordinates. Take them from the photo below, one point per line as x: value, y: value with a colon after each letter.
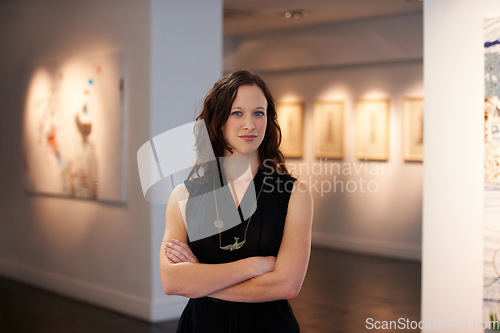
x: 368, y: 246
x: 169, y: 307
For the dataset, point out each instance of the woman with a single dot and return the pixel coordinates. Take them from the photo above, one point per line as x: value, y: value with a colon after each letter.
x: 245, y: 285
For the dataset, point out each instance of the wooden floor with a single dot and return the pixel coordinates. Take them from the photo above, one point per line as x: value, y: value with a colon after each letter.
x: 340, y: 292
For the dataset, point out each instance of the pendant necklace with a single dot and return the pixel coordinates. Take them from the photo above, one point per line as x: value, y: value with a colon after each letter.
x: 219, y: 224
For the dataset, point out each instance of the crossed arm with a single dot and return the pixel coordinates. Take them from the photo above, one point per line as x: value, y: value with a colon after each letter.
x: 255, y: 279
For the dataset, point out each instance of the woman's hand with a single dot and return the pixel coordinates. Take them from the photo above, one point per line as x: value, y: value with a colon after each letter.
x: 178, y: 251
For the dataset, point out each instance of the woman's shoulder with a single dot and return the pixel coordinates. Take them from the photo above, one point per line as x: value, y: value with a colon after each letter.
x: 179, y: 193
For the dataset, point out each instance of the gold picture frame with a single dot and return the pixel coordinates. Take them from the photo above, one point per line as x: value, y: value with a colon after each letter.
x: 372, y: 129
x: 413, y: 129
x: 291, y: 120
x: 329, y: 129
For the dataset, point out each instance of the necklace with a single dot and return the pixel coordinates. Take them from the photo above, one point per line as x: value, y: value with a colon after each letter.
x: 219, y: 224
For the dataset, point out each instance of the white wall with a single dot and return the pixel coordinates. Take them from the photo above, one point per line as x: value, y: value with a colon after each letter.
x: 102, y: 253
x: 453, y: 172
x: 377, y: 58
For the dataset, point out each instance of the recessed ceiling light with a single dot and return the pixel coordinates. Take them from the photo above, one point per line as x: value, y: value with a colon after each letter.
x: 295, y: 14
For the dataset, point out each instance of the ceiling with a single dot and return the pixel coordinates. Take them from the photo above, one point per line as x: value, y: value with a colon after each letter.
x: 256, y: 16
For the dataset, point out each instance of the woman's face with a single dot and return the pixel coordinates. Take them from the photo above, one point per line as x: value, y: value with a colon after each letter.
x: 245, y: 127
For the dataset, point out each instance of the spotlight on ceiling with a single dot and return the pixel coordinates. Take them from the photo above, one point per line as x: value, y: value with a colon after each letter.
x: 295, y: 14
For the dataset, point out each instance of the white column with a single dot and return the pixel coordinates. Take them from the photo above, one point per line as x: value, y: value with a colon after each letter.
x: 186, y: 60
x: 453, y: 166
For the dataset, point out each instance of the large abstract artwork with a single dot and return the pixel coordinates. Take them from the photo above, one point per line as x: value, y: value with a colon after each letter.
x: 491, y: 253
x: 73, y: 128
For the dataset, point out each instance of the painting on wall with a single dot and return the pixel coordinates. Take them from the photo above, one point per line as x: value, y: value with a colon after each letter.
x: 290, y: 118
x: 372, y: 129
x: 413, y: 129
x: 73, y: 128
x: 491, y: 113
x: 329, y: 129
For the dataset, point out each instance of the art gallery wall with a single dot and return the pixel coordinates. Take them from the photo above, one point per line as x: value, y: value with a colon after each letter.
x: 99, y: 252
x: 74, y: 246
x: 373, y: 58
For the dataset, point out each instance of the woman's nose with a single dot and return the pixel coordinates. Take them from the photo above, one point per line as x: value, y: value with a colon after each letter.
x: 248, y: 124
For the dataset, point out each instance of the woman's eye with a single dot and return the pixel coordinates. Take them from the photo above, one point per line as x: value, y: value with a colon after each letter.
x: 259, y: 114
x: 236, y: 113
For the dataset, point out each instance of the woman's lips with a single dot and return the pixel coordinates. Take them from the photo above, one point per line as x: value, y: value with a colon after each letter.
x: 248, y: 137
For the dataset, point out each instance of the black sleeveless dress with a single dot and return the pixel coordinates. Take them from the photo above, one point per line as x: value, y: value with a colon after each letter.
x: 264, y: 236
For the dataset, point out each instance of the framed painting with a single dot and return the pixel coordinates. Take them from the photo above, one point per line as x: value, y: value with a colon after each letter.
x: 329, y: 129
x: 73, y: 128
x: 372, y: 129
x: 413, y: 129
x: 291, y: 120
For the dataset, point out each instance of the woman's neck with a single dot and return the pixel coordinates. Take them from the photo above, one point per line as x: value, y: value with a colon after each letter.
x: 240, y: 166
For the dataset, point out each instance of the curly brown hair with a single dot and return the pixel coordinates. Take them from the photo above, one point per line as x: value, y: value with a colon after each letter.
x: 216, y: 110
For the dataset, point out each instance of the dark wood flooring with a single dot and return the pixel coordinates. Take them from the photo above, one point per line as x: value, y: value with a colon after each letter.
x: 340, y: 292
